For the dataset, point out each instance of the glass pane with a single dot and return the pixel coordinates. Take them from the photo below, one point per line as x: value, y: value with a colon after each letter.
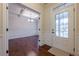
x: 61, y: 34
x: 62, y: 29
x: 65, y: 28
x: 57, y: 33
x: 62, y: 21
x: 57, y: 28
x: 65, y: 20
x: 66, y: 34
x: 57, y: 22
x: 57, y: 25
x: 61, y: 16
x: 65, y: 14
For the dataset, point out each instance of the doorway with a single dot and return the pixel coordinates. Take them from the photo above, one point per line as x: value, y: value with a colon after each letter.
x: 64, y: 37
x: 23, y: 30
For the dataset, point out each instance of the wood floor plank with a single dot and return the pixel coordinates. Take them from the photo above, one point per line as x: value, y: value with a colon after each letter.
x: 22, y: 46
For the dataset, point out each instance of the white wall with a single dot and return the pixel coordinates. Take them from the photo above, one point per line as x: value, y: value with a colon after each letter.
x: 40, y: 8
x: 19, y: 26
x: 2, y: 40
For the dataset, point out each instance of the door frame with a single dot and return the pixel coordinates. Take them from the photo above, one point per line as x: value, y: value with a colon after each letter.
x: 5, y: 38
x: 74, y: 8
x: 76, y: 47
x: 5, y: 32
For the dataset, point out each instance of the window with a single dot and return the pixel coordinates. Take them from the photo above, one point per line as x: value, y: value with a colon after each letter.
x: 62, y: 24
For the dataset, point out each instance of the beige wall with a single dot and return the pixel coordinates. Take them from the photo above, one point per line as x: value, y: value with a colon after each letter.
x: 1, y: 30
x: 77, y: 29
x: 36, y: 6
x: 48, y: 23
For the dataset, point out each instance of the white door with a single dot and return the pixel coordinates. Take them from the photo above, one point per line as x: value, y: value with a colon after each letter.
x: 64, y: 29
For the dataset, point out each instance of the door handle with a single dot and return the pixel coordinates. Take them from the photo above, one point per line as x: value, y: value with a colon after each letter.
x: 53, y: 32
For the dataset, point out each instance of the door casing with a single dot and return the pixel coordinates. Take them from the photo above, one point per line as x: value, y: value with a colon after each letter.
x: 55, y: 42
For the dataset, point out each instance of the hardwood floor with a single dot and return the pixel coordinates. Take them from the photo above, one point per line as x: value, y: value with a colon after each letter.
x: 22, y: 46
x: 43, y: 50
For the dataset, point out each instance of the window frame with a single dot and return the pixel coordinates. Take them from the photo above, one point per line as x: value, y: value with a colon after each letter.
x: 60, y: 26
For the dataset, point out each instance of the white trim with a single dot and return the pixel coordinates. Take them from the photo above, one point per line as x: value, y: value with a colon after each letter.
x: 76, y: 36
x: 5, y: 40
x: 62, y: 5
